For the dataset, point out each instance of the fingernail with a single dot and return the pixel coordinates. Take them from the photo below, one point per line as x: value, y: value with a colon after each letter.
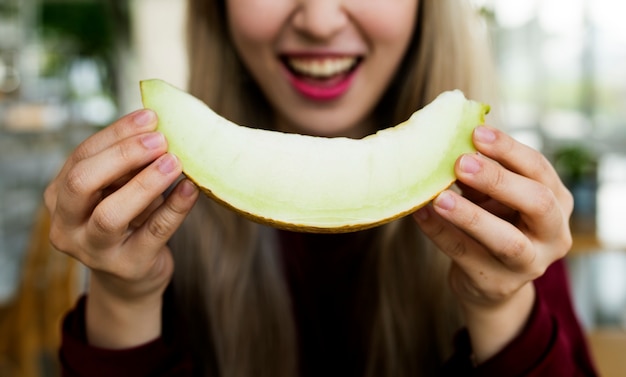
x: 167, y: 163
x: 445, y: 201
x: 469, y: 164
x: 153, y: 140
x: 484, y: 134
x: 144, y: 117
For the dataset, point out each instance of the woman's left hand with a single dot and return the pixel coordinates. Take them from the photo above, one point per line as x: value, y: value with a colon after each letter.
x: 509, y: 224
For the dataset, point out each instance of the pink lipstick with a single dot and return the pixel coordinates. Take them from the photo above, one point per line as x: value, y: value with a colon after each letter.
x: 321, y: 78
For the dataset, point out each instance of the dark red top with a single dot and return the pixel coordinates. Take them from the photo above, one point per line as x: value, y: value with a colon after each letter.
x: 322, y: 286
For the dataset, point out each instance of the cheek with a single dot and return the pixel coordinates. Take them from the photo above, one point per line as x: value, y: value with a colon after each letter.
x: 256, y: 21
x: 388, y: 21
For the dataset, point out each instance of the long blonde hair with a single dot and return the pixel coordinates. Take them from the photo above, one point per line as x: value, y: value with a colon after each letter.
x: 228, y: 281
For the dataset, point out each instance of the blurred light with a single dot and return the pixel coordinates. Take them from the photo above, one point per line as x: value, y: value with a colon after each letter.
x: 9, y: 78
x: 611, y: 215
x: 98, y: 110
x: 480, y: 3
x: 513, y: 14
x: 562, y: 16
x: 612, y: 168
x: 9, y: 278
x: 608, y: 15
x: 562, y: 57
x: 527, y: 137
x: 521, y: 115
x: 31, y: 117
x: 611, y: 284
x: 566, y: 125
x: 85, y: 78
x: 159, y: 38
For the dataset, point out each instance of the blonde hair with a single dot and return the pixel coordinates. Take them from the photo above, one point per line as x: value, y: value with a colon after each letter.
x: 228, y: 280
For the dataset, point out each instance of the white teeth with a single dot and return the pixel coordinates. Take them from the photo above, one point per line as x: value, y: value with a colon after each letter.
x: 321, y: 68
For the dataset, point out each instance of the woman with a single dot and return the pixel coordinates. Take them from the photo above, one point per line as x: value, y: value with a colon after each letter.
x: 246, y: 300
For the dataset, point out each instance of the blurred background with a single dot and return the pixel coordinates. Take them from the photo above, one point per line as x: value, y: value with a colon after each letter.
x: 69, y: 67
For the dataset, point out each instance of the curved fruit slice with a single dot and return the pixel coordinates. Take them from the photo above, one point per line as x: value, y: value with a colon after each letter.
x: 311, y: 183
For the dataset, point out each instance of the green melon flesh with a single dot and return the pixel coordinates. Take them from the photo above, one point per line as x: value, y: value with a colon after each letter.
x: 317, y: 184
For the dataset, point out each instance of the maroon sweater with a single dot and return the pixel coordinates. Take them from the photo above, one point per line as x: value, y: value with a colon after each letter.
x: 322, y: 286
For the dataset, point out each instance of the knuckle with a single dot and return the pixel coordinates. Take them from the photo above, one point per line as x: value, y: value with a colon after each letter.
x: 120, y: 128
x: 49, y: 197
x: 498, y: 181
x: 568, y: 242
x: 125, y: 151
x: 76, y: 181
x: 105, y: 222
x: 160, y: 227
x: 567, y: 198
x: 565, y: 243
x: 177, y: 208
x: 457, y: 248
x: 61, y: 241
x: 514, y: 250
x: 142, y: 184
x: 541, y: 165
x: 58, y: 239
x: 544, y: 202
x: 81, y: 153
x: 474, y: 220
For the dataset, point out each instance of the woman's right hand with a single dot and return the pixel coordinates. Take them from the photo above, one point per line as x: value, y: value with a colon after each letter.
x: 108, y: 211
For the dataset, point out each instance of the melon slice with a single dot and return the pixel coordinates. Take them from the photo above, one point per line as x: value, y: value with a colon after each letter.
x: 317, y: 184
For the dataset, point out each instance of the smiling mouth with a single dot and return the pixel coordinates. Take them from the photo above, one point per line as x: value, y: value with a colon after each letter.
x: 324, y: 68
x: 321, y: 78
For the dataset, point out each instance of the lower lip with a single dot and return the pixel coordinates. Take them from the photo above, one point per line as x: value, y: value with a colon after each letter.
x: 322, y: 91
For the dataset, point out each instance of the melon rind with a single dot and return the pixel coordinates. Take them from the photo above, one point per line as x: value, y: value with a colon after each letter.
x: 317, y: 184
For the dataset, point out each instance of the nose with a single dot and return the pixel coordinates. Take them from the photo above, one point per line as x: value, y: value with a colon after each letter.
x: 320, y: 19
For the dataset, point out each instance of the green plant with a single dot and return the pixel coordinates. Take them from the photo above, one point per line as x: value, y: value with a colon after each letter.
x: 575, y: 163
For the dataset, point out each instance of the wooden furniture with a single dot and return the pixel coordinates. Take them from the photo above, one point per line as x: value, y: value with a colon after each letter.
x: 608, y: 347
x: 607, y: 344
x: 30, y: 324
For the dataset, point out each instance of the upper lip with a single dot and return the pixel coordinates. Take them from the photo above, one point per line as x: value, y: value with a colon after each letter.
x: 318, y: 54
x: 319, y: 64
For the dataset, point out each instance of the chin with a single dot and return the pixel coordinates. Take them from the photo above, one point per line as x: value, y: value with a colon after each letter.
x: 318, y: 123
x: 331, y: 131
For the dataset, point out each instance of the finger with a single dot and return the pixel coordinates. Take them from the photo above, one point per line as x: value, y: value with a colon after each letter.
x: 504, y: 241
x: 505, y: 213
x: 134, y: 123
x: 137, y: 122
x: 482, y: 287
x: 164, y: 221
x: 121, y: 181
x: 112, y: 217
x: 471, y: 193
x: 458, y: 245
x: 485, y: 202
x: 84, y: 185
x: 143, y: 216
x: 538, y: 207
x: 516, y: 156
x: 475, y: 273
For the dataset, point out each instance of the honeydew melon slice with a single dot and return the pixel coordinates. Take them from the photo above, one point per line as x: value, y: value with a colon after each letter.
x: 317, y: 184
